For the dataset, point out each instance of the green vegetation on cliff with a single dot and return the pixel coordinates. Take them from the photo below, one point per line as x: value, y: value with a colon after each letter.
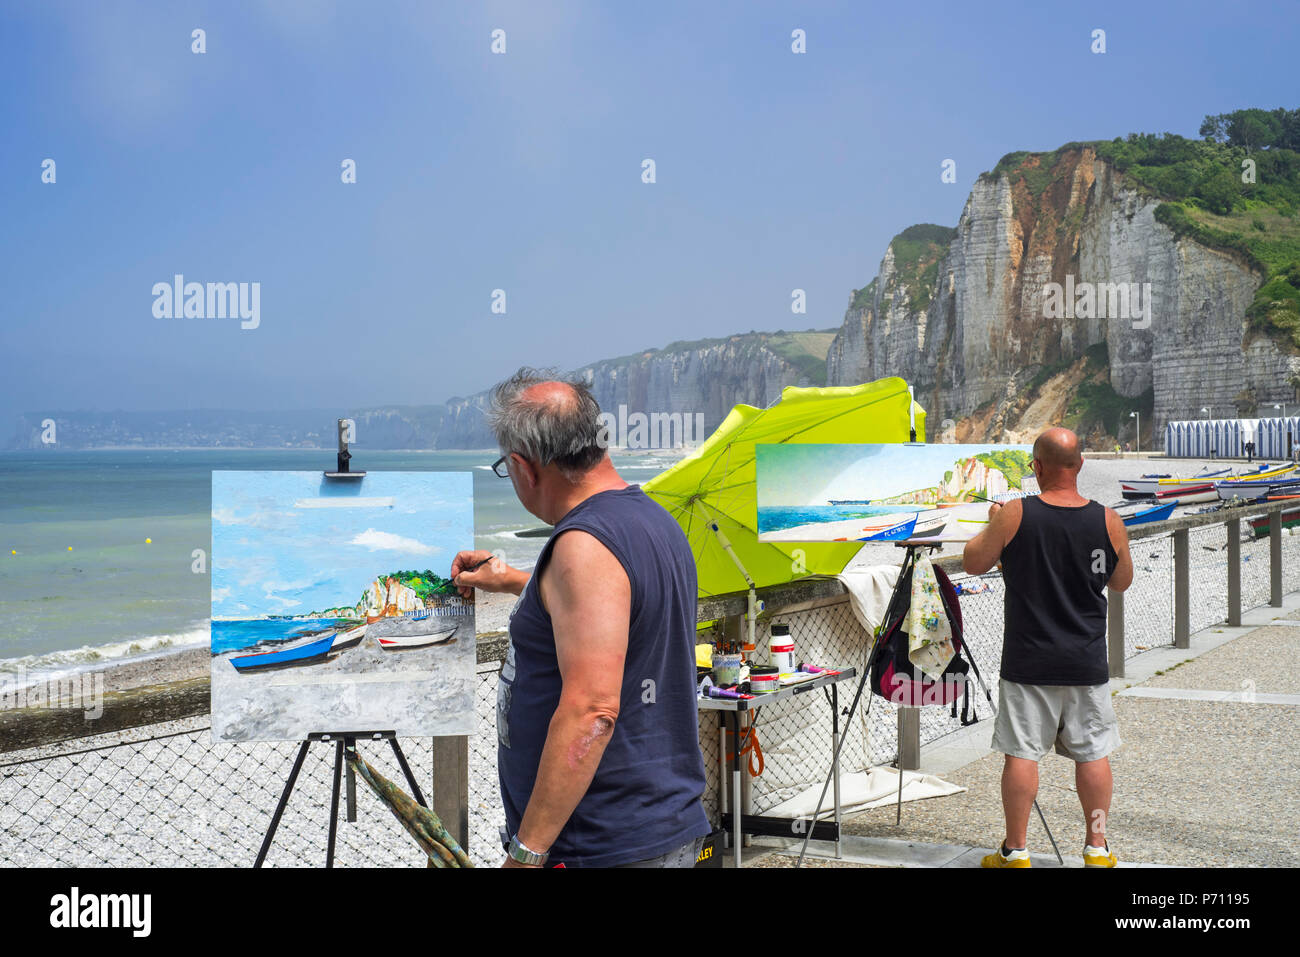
x: 918, y: 251
x: 1236, y: 190
x: 1015, y: 465
x: 1097, y: 404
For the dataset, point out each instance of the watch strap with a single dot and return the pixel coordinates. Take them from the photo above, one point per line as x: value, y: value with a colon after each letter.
x: 523, y: 854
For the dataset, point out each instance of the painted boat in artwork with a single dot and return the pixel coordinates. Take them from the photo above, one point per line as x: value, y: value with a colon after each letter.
x: 891, y: 533
x: 310, y: 652
x: 399, y: 642
x: 932, y: 527
x: 349, y: 639
x: 1156, y: 514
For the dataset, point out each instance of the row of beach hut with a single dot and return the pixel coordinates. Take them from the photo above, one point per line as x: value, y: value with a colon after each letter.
x: 1227, y: 438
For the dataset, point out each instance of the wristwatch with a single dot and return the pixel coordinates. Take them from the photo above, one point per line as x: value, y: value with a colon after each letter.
x: 520, y: 852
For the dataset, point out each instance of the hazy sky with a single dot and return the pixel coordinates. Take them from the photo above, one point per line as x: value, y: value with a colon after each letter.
x: 521, y: 172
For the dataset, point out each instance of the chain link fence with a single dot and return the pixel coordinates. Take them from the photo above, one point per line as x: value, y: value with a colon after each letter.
x: 167, y: 795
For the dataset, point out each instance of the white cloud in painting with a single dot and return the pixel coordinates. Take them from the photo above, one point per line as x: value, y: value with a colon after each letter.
x: 378, y: 541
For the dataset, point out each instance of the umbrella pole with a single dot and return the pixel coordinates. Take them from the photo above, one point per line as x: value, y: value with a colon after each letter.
x: 752, y: 609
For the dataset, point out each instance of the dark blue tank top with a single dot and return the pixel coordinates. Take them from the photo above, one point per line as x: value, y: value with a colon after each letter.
x: 645, y: 797
x: 1055, y: 568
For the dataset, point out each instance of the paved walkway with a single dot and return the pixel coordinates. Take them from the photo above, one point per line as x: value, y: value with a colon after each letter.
x: 1206, y: 775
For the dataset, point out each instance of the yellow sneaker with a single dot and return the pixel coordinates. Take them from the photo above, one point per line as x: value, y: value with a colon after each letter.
x: 1006, y: 858
x: 1099, y: 856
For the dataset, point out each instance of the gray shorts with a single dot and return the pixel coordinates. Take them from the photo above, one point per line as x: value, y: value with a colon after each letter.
x: 1078, y: 719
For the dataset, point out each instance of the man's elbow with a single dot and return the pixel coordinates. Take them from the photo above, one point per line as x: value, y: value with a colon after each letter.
x: 971, y: 562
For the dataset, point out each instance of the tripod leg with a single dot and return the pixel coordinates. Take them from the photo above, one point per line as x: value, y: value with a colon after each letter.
x: 835, y: 763
x: 1049, y: 833
x: 406, y: 769
x: 857, y: 696
x: 334, y: 802
x: 279, y: 808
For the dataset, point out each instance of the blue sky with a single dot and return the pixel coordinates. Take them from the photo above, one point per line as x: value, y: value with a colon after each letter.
x: 270, y: 529
x: 812, y: 474
x: 521, y: 172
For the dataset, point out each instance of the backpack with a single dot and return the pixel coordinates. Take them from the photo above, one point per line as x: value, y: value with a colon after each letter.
x: 896, y: 679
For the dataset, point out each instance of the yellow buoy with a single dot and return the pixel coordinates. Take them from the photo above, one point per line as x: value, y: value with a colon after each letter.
x: 148, y: 541
x: 69, y: 548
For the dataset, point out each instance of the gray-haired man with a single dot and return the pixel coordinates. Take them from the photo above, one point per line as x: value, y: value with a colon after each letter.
x: 598, y: 744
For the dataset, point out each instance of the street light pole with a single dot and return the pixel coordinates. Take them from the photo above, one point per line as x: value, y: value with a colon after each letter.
x: 1137, y: 438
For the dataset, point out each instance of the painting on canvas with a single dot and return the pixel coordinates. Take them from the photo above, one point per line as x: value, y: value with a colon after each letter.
x: 330, y: 606
x: 885, y: 493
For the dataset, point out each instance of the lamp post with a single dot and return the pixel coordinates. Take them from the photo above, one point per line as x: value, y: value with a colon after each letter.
x: 1137, y: 437
x: 1282, y: 406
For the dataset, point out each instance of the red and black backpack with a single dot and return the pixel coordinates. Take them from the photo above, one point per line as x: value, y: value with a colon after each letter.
x: 896, y: 679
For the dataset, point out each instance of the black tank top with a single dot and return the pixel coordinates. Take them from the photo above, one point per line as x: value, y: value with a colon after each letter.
x: 644, y: 800
x: 1055, y: 568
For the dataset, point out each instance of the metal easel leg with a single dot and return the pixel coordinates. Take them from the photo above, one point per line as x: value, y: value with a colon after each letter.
x: 835, y: 770
x: 334, y: 802
x: 279, y: 808
x: 406, y: 769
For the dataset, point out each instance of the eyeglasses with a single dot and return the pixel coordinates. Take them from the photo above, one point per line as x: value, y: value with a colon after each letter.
x: 501, y: 467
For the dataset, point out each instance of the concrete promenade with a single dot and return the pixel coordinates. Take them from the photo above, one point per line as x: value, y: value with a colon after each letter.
x: 1206, y: 776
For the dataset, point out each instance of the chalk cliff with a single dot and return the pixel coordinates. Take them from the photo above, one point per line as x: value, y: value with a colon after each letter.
x: 962, y: 316
x: 706, y: 377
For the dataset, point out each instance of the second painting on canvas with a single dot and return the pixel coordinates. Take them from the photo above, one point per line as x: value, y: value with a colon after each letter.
x: 884, y: 493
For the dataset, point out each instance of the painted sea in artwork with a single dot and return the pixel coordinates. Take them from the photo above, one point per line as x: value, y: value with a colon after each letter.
x: 327, y: 614
x: 884, y: 493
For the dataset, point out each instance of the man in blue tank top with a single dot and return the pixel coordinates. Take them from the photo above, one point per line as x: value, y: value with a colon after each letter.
x: 1059, y: 553
x: 597, y: 726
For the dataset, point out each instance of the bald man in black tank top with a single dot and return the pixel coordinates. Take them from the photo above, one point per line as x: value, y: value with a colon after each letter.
x: 1059, y: 552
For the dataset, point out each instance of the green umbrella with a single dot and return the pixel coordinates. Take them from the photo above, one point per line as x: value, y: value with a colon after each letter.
x: 711, y: 493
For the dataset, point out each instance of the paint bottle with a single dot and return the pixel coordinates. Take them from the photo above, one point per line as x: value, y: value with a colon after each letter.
x: 763, y: 679
x: 781, y: 649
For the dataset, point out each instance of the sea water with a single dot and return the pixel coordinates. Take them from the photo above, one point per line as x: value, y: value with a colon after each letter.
x: 113, y: 596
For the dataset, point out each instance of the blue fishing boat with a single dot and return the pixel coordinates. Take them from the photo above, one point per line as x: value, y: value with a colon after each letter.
x: 1157, y: 514
x: 894, y: 533
x: 307, y: 653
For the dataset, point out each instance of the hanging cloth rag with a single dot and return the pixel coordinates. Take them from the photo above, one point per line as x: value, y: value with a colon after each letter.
x: 929, y: 633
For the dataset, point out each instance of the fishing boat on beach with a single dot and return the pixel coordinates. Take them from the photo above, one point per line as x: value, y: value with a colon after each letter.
x: 1157, y: 513
x: 1274, y: 482
x: 1155, y: 485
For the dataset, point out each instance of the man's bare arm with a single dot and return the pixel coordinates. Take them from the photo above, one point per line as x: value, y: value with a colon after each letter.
x: 589, y: 598
x: 1122, y: 576
x: 984, y: 550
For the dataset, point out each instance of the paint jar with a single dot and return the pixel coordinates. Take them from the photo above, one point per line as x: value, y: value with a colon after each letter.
x: 781, y: 650
x: 726, y: 670
x: 763, y: 679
